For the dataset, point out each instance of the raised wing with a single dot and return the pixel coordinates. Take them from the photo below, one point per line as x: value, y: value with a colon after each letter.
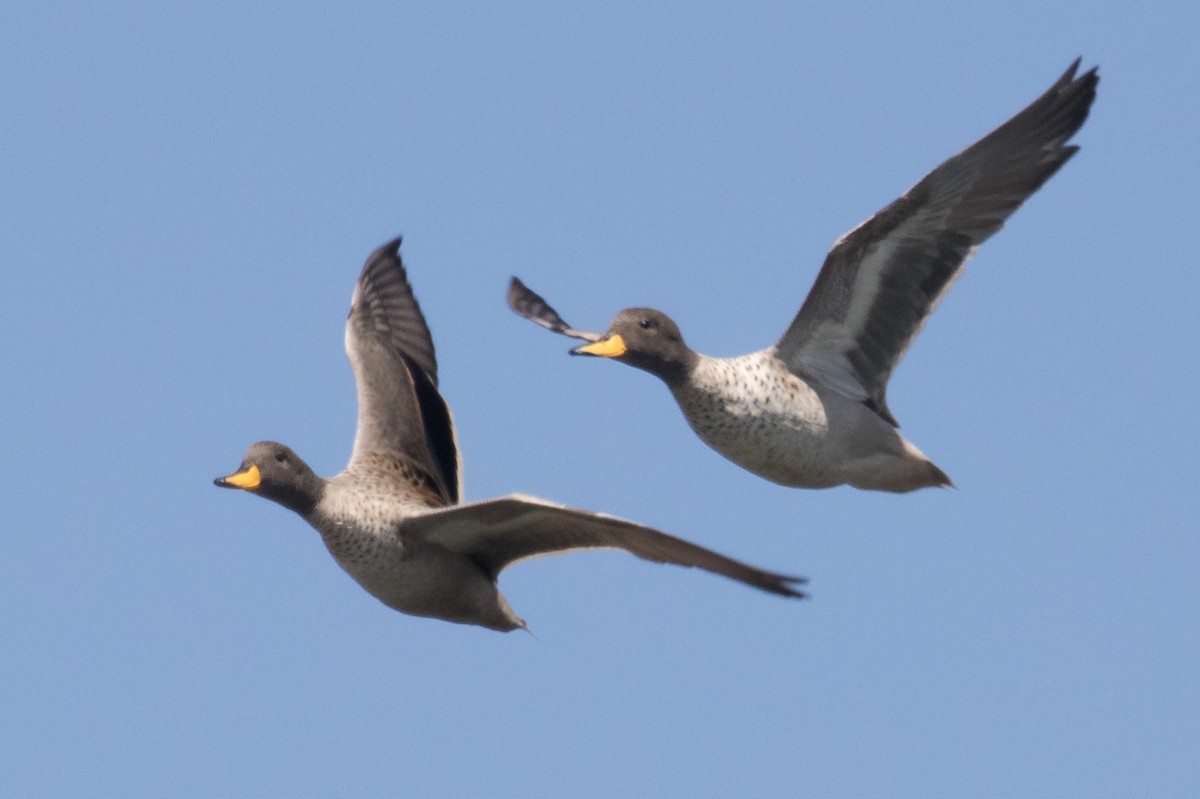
x: 384, y: 307
x: 529, y: 304
x: 881, y: 280
x: 391, y: 352
x: 499, y: 532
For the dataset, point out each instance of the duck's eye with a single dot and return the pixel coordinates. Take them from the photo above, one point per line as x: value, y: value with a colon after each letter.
x: 644, y: 324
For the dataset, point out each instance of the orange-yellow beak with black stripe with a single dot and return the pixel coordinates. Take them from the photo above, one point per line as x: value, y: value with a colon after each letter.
x: 610, y: 347
x: 247, y: 479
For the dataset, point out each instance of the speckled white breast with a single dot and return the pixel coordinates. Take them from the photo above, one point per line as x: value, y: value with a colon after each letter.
x: 759, y: 415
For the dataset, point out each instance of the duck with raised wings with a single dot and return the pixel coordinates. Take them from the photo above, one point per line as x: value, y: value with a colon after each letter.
x: 811, y: 410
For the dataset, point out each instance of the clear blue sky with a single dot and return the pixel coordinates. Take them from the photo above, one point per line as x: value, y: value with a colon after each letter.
x: 189, y: 191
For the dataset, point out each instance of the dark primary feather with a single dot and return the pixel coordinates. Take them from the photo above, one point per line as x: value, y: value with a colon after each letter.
x: 440, y: 438
x: 529, y: 304
x: 496, y: 533
x: 880, y: 282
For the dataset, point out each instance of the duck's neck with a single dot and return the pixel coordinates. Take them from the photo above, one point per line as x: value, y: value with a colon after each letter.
x: 677, y: 372
x: 301, y: 496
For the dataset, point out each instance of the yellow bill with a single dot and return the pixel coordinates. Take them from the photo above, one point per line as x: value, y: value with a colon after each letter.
x: 611, y: 347
x: 249, y: 479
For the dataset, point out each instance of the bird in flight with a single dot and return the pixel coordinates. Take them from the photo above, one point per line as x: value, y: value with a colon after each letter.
x: 811, y: 411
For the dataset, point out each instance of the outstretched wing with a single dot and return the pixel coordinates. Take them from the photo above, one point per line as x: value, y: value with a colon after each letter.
x: 881, y: 280
x: 529, y: 304
x: 391, y: 352
x: 500, y: 532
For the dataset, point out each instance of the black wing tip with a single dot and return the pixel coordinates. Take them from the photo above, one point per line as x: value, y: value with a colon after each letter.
x: 1078, y: 94
x: 1056, y: 116
x: 389, y: 250
x: 521, y: 298
x: 516, y: 291
x: 385, y: 256
x: 786, y: 586
x: 1081, y: 87
x: 1069, y: 76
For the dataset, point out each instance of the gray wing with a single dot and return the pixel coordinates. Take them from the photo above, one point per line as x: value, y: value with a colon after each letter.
x: 384, y: 307
x: 881, y: 280
x: 499, y: 532
x: 391, y: 352
x: 529, y: 304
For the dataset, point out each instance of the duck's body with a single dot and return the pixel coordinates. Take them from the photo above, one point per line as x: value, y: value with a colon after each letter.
x: 767, y: 420
x: 394, y: 518
x: 361, y: 517
x: 811, y: 410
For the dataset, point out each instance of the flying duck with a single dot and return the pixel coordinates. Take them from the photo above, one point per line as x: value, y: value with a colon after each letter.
x: 394, y: 519
x: 811, y: 410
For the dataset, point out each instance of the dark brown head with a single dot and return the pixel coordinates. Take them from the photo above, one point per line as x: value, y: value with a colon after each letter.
x: 273, y: 471
x: 646, y: 339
